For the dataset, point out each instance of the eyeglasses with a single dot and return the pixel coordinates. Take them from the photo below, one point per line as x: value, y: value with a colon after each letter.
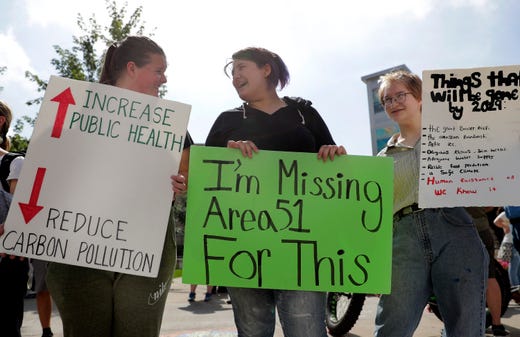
x: 399, y: 98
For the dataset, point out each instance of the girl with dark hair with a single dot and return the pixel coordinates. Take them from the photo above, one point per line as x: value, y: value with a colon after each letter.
x: 266, y: 121
x: 95, y: 302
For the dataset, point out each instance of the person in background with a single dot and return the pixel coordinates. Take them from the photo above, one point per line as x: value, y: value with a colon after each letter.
x: 509, y: 221
x: 513, y: 214
x: 492, y: 213
x: 514, y: 275
x: 180, y: 223
x: 267, y: 122
x: 493, y: 292
x: 180, y: 220
x: 14, y: 271
x: 95, y: 302
x: 192, y: 294
x: 43, y: 296
x: 435, y: 250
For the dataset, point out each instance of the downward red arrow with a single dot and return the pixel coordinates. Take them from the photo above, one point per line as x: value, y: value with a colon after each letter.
x: 30, y: 210
x: 64, y: 99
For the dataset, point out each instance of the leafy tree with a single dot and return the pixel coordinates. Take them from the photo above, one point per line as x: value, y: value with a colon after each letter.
x: 18, y: 143
x: 83, y: 61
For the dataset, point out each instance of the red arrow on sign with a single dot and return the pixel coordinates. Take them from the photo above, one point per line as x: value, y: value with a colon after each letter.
x: 64, y: 99
x: 30, y: 210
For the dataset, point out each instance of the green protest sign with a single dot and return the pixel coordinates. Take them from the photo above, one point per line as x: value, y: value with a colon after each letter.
x: 286, y: 220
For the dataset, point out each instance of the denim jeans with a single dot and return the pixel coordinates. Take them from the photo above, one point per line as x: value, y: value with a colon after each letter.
x: 514, y: 268
x: 435, y: 251
x: 301, y: 313
x: 515, y: 230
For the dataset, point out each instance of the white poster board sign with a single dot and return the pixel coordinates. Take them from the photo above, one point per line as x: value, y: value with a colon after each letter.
x: 471, y: 137
x: 95, y: 187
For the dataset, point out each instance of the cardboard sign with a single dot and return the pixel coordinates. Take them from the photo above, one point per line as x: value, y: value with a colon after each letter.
x: 286, y: 220
x: 471, y: 137
x: 95, y: 188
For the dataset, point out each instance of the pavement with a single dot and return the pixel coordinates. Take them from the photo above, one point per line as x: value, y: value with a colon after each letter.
x: 215, y: 318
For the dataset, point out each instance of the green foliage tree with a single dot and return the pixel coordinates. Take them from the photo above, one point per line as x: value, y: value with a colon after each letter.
x: 18, y: 143
x: 83, y: 61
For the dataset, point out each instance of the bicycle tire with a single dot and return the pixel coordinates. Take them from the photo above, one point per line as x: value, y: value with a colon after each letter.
x: 342, y: 312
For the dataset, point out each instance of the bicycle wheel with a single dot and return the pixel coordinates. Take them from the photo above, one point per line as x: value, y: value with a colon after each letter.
x: 342, y: 311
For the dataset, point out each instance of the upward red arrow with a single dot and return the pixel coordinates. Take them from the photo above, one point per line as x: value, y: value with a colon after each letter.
x: 64, y: 99
x: 30, y: 210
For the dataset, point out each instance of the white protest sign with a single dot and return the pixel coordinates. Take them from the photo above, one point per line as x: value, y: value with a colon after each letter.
x: 470, y: 140
x: 95, y: 187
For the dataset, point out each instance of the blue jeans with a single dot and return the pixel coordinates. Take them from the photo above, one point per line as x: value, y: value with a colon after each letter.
x: 301, y: 313
x: 514, y: 268
x: 515, y: 230
x: 435, y: 251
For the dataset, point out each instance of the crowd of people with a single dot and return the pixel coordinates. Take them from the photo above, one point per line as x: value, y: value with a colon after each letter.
x: 432, y: 247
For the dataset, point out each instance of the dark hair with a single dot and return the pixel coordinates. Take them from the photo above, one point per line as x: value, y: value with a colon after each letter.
x: 261, y: 56
x: 6, y: 112
x: 408, y: 79
x: 132, y: 49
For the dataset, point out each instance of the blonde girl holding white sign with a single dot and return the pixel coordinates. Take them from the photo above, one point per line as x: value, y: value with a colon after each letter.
x: 435, y: 250
x: 95, y: 302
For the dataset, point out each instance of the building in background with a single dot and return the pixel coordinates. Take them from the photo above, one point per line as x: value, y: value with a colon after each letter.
x: 381, y: 127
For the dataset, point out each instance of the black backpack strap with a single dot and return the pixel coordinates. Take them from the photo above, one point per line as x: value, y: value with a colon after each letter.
x: 5, y: 168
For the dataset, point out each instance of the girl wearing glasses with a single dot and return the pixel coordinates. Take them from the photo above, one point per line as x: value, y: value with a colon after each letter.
x: 435, y: 250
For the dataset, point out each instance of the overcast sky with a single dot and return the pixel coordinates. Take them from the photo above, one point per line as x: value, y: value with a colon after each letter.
x: 327, y: 45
